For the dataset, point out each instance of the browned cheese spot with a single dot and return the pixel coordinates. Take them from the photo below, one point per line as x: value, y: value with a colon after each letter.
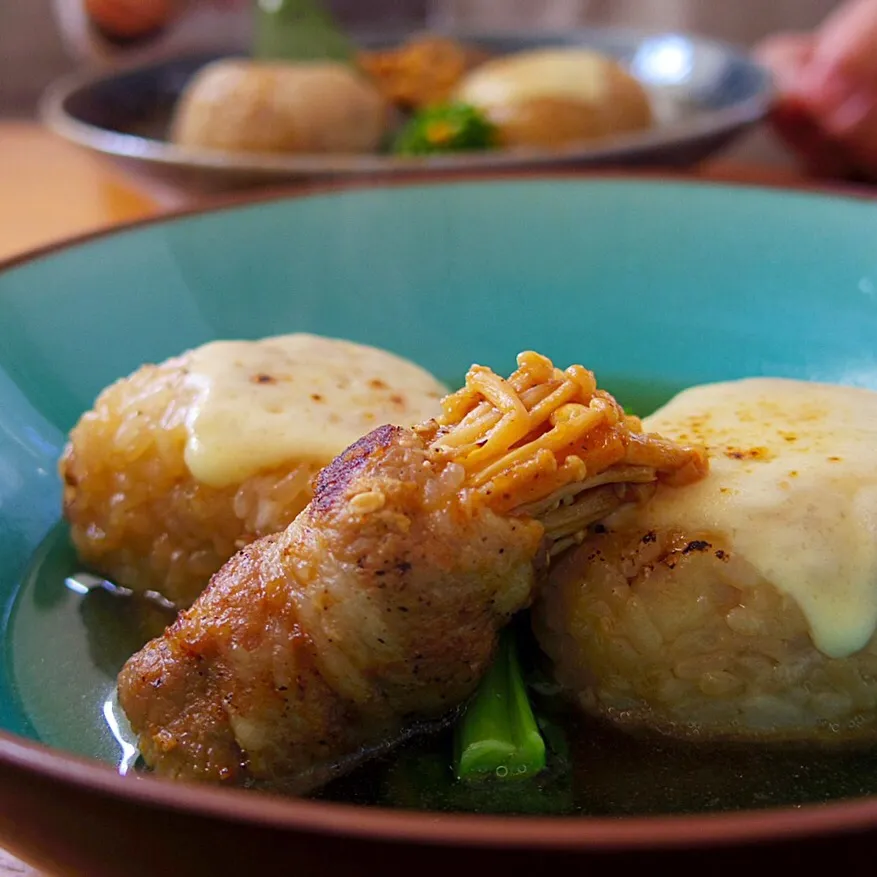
x: 760, y: 454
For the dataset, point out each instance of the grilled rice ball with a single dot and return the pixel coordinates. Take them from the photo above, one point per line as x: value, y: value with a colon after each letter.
x: 181, y: 464
x: 745, y: 607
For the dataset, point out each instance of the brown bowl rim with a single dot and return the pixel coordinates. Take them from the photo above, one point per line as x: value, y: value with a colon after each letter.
x: 571, y: 833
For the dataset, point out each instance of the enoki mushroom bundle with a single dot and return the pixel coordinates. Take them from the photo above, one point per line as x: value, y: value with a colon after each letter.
x: 549, y: 444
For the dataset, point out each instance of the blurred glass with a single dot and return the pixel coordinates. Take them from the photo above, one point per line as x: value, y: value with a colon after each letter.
x: 507, y: 14
x: 93, y: 30
x: 740, y: 21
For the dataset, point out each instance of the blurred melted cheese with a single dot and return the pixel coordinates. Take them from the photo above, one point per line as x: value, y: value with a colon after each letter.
x: 295, y: 398
x: 793, y: 486
x: 577, y: 75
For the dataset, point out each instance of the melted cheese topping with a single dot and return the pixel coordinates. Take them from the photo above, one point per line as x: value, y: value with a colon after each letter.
x: 576, y: 75
x: 302, y: 398
x: 793, y: 487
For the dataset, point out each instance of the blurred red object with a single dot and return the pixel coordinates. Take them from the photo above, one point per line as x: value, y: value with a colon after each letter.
x: 129, y: 19
x: 821, y: 155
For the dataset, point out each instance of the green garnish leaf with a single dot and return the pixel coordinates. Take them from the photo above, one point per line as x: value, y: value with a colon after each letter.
x: 446, y: 128
x: 498, y: 736
x: 299, y: 30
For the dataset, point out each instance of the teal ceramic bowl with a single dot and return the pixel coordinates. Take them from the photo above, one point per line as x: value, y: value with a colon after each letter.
x: 655, y: 285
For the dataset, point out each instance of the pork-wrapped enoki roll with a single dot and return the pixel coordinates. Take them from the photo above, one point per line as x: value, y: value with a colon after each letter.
x: 181, y: 464
x: 378, y: 607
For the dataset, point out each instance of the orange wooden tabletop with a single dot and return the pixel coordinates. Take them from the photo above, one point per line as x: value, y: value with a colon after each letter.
x: 50, y: 190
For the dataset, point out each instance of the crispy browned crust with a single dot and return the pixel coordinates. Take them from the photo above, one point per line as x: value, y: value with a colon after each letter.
x: 332, y: 482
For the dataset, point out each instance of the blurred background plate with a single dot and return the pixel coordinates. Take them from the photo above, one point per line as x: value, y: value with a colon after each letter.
x: 704, y: 93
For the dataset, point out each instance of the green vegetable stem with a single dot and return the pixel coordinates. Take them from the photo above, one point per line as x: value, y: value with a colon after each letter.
x: 446, y: 128
x: 498, y: 735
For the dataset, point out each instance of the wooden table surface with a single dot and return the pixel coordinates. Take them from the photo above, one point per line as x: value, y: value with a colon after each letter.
x: 50, y: 190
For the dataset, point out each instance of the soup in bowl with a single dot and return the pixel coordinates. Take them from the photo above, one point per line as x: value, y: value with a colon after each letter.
x: 484, y: 520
